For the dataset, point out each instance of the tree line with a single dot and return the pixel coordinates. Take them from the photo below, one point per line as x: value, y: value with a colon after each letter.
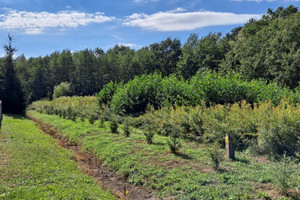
x: 262, y: 49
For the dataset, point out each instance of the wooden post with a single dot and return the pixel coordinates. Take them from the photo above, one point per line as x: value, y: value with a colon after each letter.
x: 230, y: 148
x: 0, y: 113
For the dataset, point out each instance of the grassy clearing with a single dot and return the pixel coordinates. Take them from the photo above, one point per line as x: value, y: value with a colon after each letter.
x: 188, y: 175
x: 38, y: 169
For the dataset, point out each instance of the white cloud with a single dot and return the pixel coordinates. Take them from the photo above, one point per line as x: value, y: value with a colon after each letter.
x: 130, y: 45
x: 37, y: 22
x: 176, y: 20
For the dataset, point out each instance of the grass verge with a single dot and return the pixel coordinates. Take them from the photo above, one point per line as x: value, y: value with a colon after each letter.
x: 187, y: 175
x: 36, y: 168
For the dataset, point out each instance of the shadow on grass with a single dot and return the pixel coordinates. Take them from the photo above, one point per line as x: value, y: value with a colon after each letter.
x: 184, y: 156
x: 158, y: 144
x: 16, y: 116
x: 222, y: 170
x: 242, y: 159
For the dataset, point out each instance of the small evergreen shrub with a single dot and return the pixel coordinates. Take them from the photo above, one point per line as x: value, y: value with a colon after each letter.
x: 114, y: 124
x: 216, y: 156
x: 126, y: 126
x: 283, y: 175
x: 149, y: 136
x: 174, y: 141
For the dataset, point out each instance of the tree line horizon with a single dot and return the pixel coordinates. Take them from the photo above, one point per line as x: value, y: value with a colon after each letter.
x: 265, y: 49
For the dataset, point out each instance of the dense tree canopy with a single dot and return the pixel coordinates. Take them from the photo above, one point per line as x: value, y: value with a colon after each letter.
x: 262, y: 49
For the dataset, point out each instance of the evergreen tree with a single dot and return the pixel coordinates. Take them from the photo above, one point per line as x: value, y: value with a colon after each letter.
x: 11, y: 92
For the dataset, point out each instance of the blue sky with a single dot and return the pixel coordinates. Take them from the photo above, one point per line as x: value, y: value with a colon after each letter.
x: 40, y: 27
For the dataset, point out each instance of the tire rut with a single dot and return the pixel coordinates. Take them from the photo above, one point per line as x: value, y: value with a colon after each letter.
x: 92, y: 166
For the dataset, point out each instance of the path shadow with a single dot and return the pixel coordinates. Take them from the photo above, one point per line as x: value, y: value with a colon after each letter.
x: 16, y: 116
x: 184, y: 156
x: 158, y: 144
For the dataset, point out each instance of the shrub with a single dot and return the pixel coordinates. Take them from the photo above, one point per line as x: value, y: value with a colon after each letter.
x: 126, y: 126
x: 114, y: 124
x: 113, y: 127
x: 216, y: 156
x: 92, y: 117
x: 174, y: 139
x: 283, y: 175
x: 108, y: 91
x: 63, y: 89
x: 211, y: 87
x: 149, y: 136
x: 134, y: 97
x: 279, y: 129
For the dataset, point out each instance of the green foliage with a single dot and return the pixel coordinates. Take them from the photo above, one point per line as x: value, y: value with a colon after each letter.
x: 134, y: 97
x: 108, y: 91
x: 201, y: 54
x: 267, y: 128
x: 268, y: 48
x: 63, y: 89
x: 284, y: 174
x: 174, y: 140
x: 216, y: 156
x: 114, y: 126
x: 279, y: 129
x: 149, y: 136
x: 126, y: 126
x: 183, y: 176
x: 71, y: 108
x: 211, y: 87
x: 11, y: 93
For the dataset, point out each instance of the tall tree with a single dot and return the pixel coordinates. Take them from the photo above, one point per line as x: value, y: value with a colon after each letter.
x: 11, y: 93
x: 167, y: 54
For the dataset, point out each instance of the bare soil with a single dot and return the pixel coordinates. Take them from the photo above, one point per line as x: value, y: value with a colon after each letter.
x: 92, y: 166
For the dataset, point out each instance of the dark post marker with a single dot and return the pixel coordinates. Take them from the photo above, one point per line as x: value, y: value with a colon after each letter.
x: 230, y: 148
x: 0, y: 113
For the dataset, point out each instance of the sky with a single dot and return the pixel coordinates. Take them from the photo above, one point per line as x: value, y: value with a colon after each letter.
x: 40, y: 27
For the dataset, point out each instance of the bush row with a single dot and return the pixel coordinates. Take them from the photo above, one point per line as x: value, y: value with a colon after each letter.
x: 70, y: 107
x: 154, y: 90
x: 263, y: 129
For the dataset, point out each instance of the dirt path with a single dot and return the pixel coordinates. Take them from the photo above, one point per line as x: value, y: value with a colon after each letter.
x: 93, y: 167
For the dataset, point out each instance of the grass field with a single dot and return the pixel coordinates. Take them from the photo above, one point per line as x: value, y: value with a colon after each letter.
x: 187, y: 175
x: 33, y: 166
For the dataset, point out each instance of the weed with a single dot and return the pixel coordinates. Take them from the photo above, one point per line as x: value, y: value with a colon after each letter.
x: 216, y: 156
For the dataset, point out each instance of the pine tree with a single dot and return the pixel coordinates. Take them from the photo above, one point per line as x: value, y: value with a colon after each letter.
x: 11, y: 92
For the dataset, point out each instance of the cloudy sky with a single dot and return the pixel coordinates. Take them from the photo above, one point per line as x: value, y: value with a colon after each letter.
x: 40, y: 27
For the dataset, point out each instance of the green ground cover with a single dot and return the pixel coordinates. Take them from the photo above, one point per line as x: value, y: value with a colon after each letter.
x: 35, y: 167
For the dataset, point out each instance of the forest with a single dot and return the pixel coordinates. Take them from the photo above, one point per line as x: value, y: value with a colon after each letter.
x: 265, y: 49
x: 158, y: 116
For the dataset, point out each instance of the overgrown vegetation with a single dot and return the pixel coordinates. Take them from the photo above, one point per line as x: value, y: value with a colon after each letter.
x: 63, y: 89
x: 186, y: 174
x: 154, y: 90
x: 266, y: 49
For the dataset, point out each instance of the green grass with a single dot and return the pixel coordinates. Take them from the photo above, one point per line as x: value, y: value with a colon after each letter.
x: 37, y: 168
x: 188, y: 175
